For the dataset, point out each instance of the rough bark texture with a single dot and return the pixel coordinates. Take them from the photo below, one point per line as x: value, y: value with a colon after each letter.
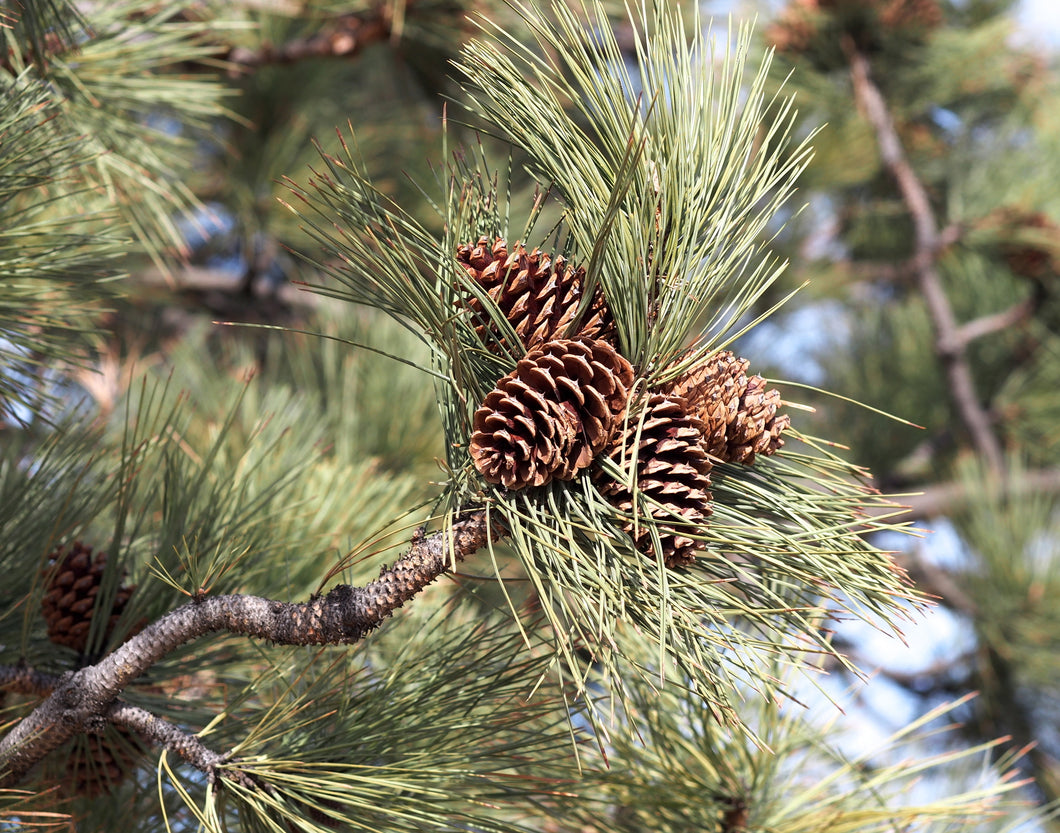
x: 158, y: 732
x: 79, y: 699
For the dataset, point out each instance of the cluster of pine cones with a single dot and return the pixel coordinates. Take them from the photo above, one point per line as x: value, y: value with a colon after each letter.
x: 567, y: 403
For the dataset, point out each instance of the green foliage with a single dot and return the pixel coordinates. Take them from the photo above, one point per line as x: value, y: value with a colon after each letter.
x: 973, y: 110
x: 1012, y: 574
x: 684, y: 771
x: 666, y: 189
x: 665, y: 199
x: 405, y: 734
x: 203, y: 482
x: 1032, y: 412
x: 561, y: 681
x: 887, y: 341
x: 53, y: 256
x: 971, y: 114
x: 110, y: 85
x: 96, y: 136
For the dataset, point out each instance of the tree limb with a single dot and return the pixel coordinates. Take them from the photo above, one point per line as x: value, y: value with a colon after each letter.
x: 26, y: 680
x: 948, y: 344
x: 343, y: 37
x: 945, y: 498
x: 342, y: 617
x: 23, y: 679
x: 987, y: 324
x: 191, y: 750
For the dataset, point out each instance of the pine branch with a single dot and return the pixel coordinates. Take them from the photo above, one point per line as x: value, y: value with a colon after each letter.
x: 988, y: 324
x: 946, y: 498
x: 343, y: 617
x: 999, y: 677
x: 23, y: 679
x: 26, y: 680
x: 344, y: 37
x: 161, y: 733
x: 949, y: 346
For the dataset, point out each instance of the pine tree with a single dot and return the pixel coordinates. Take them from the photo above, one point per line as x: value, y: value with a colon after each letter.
x: 389, y: 557
x: 936, y: 180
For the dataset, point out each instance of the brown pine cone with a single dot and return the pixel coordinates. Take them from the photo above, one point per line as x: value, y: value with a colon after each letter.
x: 795, y: 29
x: 739, y: 414
x: 1024, y: 259
x: 98, y: 763
x: 552, y: 415
x: 813, y: 28
x: 673, y: 477
x: 903, y: 14
x: 537, y: 295
x: 756, y: 428
x: 69, y: 601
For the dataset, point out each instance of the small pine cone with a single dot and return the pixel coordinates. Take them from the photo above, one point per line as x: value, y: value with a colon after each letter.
x: 757, y: 428
x: 1024, y: 259
x: 537, y: 295
x: 97, y: 764
x: 673, y: 477
x: 794, y: 31
x: 919, y: 14
x: 74, y: 582
x: 792, y: 37
x: 740, y: 415
x: 552, y: 415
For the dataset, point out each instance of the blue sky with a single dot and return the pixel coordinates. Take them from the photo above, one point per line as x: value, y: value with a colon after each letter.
x: 1042, y: 18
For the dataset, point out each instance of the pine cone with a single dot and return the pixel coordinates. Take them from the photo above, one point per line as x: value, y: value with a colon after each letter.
x: 814, y: 28
x: 538, y: 296
x: 794, y: 31
x: 73, y: 583
x: 550, y: 416
x: 757, y: 428
x: 673, y: 477
x: 97, y: 764
x: 1024, y: 259
x: 740, y: 415
x: 904, y: 14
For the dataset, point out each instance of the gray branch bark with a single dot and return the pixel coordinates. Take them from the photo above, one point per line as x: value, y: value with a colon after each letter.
x: 941, y: 499
x: 342, y: 617
x: 990, y: 324
x: 189, y: 748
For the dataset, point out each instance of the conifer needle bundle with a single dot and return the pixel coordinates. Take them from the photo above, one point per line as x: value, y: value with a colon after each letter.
x: 590, y: 402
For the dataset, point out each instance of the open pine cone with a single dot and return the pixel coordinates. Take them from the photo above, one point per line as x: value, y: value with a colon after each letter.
x: 539, y: 296
x: 738, y: 412
x: 673, y: 477
x: 1025, y: 259
x: 814, y: 27
x: 900, y: 14
x: 98, y: 763
x: 69, y: 601
x: 552, y: 415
